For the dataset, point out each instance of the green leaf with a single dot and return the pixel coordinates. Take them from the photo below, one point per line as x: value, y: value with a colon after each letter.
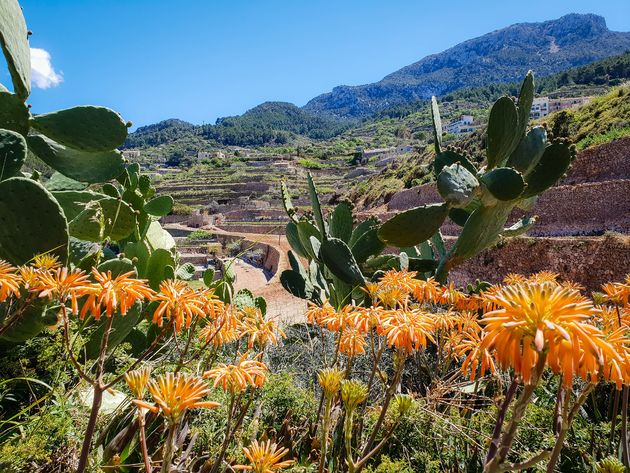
x: 519, y: 228
x: 339, y: 260
x: 79, y: 165
x: 12, y: 153
x: 85, y: 128
x: 437, y: 125
x: 306, y: 230
x: 159, y: 206
x: 368, y: 244
x: 341, y: 222
x: 457, y: 185
x: 504, y: 183
x: 121, y: 327
x: 14, y: 114
x: 185, y: 271
x: 14, y: 41
x: 208, y: 277
x: 317, y: 210
x: 525, y: 102
x: 413, y: 226
x: 502, y: 128
x: 31, y: 222
x: 105, y: 218
x: 448, y: 158
x: 157, y: 237
x: 243, y: 299
x: 157, y: 270
x: 529, y: 151
x: 553, y: 164
x: 294, y: 239
x: 59, y: 182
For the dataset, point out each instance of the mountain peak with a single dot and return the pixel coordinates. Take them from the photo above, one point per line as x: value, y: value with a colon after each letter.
x: 504, y: 55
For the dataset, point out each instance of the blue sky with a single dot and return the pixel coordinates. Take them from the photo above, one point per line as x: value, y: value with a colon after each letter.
x: 201, y: 59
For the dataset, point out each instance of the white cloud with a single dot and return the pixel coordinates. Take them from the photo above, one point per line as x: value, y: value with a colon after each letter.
x: 43, y: 75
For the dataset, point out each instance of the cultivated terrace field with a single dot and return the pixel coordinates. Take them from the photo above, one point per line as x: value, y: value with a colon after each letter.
x: 284, y: 291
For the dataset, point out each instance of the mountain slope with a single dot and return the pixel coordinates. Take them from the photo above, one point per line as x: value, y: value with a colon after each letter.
x: 501, y: 56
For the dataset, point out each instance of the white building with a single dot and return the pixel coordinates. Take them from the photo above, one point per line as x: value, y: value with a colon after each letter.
x: 464, y: 125
x: 210, y: 154
x: 543, y: 106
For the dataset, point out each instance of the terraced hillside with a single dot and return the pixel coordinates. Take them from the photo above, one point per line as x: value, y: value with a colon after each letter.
x: 583, y: 227
x: 246, y: 196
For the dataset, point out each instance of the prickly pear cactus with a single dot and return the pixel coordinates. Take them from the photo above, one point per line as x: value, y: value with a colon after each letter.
x: 520, y: 165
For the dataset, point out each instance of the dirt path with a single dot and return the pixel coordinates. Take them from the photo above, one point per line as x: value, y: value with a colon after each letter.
x: 280, y: 304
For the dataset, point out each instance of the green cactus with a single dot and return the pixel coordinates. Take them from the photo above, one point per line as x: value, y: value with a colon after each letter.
x: 14, y: 113
x: 457, y: 186
x: 520, y: 165
x: 413, y: 226
x: 75, y: 164
x: 159, y: 206
x: 85, y: 128
x: 31, y: 222
x: 13, y: 38
x: 12, y: 153
x: 341, y: 222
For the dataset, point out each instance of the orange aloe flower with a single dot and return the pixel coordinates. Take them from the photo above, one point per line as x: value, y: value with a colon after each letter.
x: 533, y: 319
x: 336, y: 321
x: 315, y: 314
x: 543, y: 277
x: 174, y: 394
x: 264, y: 457
x: 237, y: 378
x: 137, y: 381
x: 618, y: 293
x: 352, y: 342
x: 618, y: 370
x: 426, y: 291
x: 178, y: 302
x: 407, y: 330
x: 257, y: 329
x: 9, y: 281
x: 221, y: 331
x: 63, y: 285
x: 403, y: 279
x: 112, y: 294
x: 477, y: 360
x: 514, y: 278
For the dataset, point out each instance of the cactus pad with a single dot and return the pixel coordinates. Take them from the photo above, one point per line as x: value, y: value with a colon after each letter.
x: 413, y: 226
x: 75, y: 164
x: 341, y: 222
x: 449, y: 157
x: 504, y: 183
x: 159, y: 206
x: 529, y: 151
x: 85, y: 128
x: 12, y: 153
x: 457, y: 185
x: 339, y: 260
x: 502, y: 129
x: 13, y: 38
x: 437, y: 125
x: 554, y: 162
x: 31, y: 222
x: 13, y: 113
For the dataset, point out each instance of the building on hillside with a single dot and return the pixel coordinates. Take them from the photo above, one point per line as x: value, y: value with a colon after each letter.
x: 567, y: 102
x: 401, y: 149
x: 210, y: 155
x: 466, y: 124
x: 540, y: 108
x: 131, y: 154
x: 543, y: 106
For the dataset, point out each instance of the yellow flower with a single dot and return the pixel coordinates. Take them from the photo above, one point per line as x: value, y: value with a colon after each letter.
x: 174, y: 394
x: 46, y: 262
x: 63, y: 285
x: 403, y: 279
x: 544, y: 277
x: 533, y: 319
x: 112, y: 294
x: 426, y: 291
x: 618, y: 293
x: 30, y: 277
x: 264, y: 457
x: 353, y: 393
x: 330, y: 381
x: 179, y: 303
x: 137, y: 381
x: 237, y: 378
x: 9, y: 281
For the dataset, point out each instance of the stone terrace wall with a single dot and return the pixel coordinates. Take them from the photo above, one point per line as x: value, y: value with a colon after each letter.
x: 271, y: 256
x: 590, y: 261
x: 607, y: 162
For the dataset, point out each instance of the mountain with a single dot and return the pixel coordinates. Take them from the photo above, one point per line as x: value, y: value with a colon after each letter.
x: 272, y: 122
x: 501, y: 56
x: 159, y: 133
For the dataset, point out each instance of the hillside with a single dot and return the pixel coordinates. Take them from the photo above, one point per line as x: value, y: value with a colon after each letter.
x: 604, y: 119
x: 501, y: 56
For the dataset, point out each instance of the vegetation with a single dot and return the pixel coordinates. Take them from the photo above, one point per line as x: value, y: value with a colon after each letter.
x: 114, y: 359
